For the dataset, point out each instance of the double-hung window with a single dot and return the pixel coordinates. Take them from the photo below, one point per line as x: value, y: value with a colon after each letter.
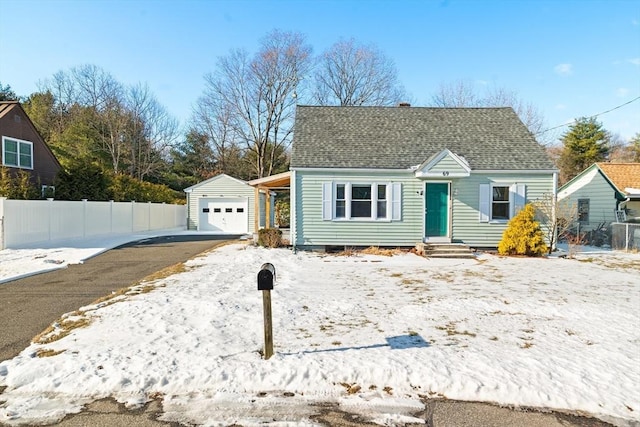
x: 583, y: 211
x: 500, y: 202
x: 361, y: 201
x: 341, y: 201
x: 17, y: 153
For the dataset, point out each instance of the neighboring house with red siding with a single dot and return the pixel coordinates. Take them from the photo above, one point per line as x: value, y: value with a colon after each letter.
x: 22, y: 147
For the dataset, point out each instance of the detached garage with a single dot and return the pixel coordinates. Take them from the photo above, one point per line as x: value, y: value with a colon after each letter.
x: 223, y: 204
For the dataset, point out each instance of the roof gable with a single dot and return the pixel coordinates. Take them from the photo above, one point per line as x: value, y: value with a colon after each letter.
x: 622, y: 175
x: 220, y: 177
x: 442, y: 165
x: 401, y: 137
x: 22, y: 118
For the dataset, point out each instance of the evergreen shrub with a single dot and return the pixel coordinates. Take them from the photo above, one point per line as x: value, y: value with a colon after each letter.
x: 523, y: 235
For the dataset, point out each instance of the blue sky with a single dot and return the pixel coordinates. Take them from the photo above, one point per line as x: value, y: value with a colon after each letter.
x: 567, y: 58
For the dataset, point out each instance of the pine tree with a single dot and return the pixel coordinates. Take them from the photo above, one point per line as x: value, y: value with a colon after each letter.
x: 523, y: 235
x: 585, y: 143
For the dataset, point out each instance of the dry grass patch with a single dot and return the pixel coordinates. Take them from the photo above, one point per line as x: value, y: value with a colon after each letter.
x: 446, y: 277
x: 60, y: 330
x: 47, y: 352
x: 375, y: 250
x: 451, y: 329
x: 351, y: 388
x: 166, y: 272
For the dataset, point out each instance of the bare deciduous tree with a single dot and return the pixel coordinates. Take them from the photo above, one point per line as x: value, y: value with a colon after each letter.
x: 351, y: 74
x: 150, y: 134
x: 213, y: 117
x: 622, y: 151
x: 556, y: 217
x: 465, y: 94
x: 93, y: 92
x: 124, y: 126
x: 260, y: 95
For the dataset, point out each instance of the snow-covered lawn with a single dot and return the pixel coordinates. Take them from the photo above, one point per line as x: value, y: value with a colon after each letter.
x: 370, y: 332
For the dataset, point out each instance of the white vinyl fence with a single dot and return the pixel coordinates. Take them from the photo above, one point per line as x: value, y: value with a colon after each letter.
x: 24, y: 222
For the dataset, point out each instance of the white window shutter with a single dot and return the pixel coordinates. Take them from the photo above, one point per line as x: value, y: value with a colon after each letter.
x: 396, y: 201
x: 485, y: 205
x: 517, y: 198
x: 327, y: 201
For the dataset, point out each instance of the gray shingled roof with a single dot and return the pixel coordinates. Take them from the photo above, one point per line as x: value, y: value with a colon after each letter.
x: 402, y: 137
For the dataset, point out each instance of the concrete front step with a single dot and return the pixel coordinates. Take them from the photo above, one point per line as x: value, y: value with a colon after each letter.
x: 444, y: 250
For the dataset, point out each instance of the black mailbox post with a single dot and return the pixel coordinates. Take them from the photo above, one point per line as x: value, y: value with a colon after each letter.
x: 266, y: 278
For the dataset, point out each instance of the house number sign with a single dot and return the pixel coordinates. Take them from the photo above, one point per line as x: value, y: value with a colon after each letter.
x: 445, y: 173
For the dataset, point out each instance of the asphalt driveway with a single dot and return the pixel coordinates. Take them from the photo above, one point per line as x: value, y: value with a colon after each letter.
x: 30, y: 305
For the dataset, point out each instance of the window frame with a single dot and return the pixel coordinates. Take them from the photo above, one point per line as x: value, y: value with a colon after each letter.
x: 340, y: 209
x: 19, y: 143
x: 583, y: 217
x: 507, y: 202
x: 349, y: 200
x: 516, y: 200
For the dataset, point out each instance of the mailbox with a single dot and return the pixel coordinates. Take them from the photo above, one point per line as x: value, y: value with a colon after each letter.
x: 266, y: 277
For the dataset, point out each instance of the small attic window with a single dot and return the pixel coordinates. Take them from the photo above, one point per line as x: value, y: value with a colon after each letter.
x: 16, y: 118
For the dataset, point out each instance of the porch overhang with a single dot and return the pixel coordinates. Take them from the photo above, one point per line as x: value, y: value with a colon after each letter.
x: 266, y: 185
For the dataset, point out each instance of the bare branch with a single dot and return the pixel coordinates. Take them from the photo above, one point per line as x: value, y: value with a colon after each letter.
x: 353, y: 74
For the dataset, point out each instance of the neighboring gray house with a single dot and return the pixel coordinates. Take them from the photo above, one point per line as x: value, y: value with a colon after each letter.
x: 396, y: 176
x: 602, y: 190
x: 226, y: 205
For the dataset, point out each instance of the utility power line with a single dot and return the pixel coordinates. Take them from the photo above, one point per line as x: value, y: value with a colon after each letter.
x: 591, y: 117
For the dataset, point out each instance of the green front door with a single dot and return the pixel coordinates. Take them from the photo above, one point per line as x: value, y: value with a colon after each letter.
x: 436, y: 197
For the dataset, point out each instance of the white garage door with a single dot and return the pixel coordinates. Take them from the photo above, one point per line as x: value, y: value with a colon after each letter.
x: 225, y: 215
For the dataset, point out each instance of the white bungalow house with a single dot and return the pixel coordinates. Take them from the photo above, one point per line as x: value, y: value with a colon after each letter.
x: 396, y: 176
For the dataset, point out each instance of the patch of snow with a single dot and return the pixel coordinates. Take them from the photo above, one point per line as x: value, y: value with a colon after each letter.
x: 368, y: 332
